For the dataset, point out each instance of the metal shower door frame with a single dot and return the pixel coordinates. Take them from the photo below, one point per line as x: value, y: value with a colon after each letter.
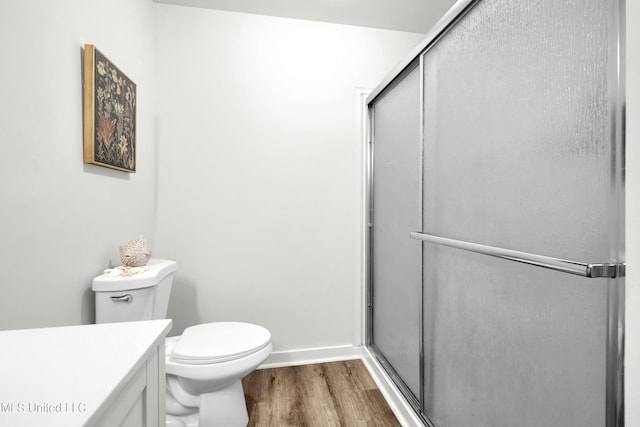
x: 414, y: 401
x: 611, y: 272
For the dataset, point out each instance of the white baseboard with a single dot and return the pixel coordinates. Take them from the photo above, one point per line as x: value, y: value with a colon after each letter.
x: 312, y: 355
x: 400, y: 407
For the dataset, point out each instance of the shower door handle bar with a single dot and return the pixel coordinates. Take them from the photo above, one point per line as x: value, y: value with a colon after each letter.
x: 591, y: 270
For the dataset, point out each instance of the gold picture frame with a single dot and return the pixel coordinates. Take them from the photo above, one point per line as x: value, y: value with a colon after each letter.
x: 110, y: 100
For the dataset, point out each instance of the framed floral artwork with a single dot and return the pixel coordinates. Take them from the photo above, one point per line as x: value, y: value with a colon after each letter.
x: 109, y: 113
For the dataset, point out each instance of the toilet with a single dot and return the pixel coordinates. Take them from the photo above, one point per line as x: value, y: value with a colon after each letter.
x: 205, y: 365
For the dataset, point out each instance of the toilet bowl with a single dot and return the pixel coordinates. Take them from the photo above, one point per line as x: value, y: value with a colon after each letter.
x: 205, y: 365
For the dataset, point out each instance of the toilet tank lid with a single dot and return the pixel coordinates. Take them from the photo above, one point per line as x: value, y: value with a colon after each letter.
x: 157, y: 270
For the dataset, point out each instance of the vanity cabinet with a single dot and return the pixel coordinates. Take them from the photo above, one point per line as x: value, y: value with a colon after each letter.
x: 142, y: 399
x: 109, y: 374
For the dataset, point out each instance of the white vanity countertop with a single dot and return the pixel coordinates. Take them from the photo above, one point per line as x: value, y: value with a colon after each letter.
x: 69, y: 376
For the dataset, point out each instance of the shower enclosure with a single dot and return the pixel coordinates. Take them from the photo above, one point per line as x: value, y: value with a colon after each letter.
x: 496, y: 216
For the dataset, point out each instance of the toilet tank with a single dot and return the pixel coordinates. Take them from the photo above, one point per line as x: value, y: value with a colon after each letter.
x: 144, y: 296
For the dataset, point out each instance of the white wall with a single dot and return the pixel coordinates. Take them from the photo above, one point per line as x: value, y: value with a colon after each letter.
x: 632, y: 332
x: 61, y: 220
x: 260, y: 169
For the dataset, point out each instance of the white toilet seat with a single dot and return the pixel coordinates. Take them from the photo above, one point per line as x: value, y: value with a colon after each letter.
x: 211, y: 343
x: 205, y: 367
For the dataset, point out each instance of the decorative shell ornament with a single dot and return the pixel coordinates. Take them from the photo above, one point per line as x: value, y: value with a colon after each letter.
x: 135, y: 253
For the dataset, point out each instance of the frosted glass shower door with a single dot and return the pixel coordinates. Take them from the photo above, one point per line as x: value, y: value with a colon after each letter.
x: 396, y: 260
x: 520, y: 146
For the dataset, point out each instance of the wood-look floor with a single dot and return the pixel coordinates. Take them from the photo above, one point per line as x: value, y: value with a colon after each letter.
x: 320, y: 395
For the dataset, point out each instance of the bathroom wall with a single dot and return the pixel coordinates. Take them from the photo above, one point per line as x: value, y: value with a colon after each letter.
x: 260, y: 196
x: 62, y: 220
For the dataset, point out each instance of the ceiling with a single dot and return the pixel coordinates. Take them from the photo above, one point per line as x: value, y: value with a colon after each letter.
x: 416, y: 16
